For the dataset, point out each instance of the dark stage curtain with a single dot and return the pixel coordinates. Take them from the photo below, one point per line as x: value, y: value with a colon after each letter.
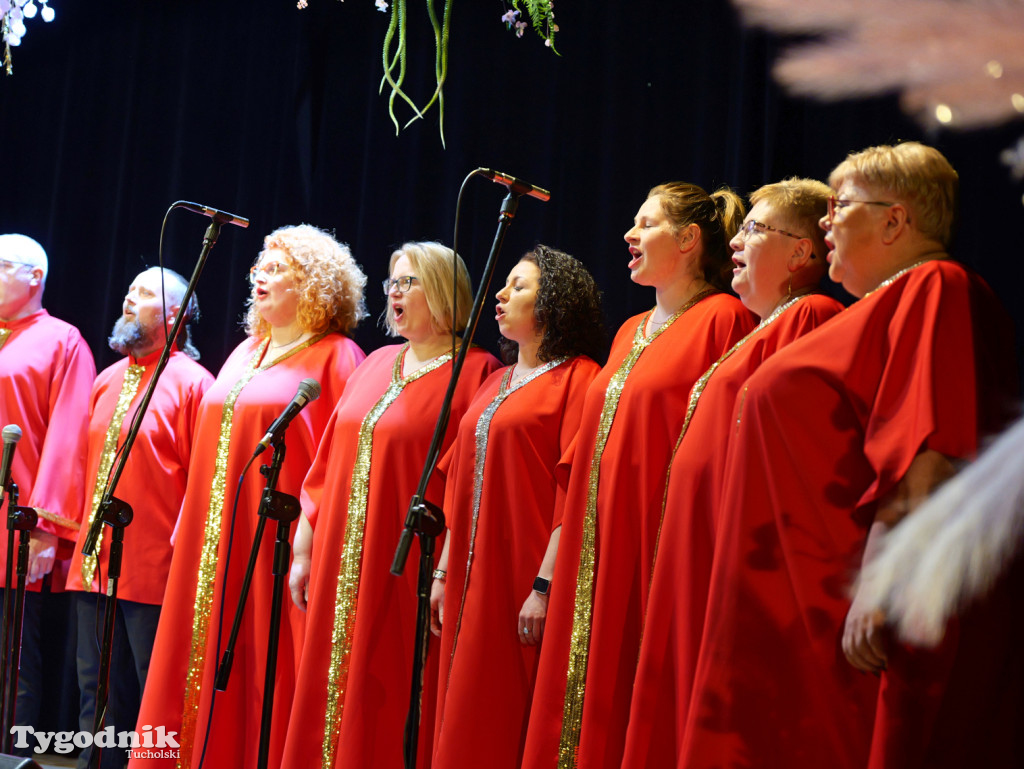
x: 256, y: 107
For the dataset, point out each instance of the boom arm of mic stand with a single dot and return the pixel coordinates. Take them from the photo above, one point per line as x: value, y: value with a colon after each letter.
x: 412, y: 518
x: 209, y: 240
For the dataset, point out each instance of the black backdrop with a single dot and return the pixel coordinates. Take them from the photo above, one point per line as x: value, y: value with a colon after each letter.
x: 116, y: 110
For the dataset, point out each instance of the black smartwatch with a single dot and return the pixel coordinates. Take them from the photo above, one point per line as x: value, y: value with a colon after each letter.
x: 541, y: 585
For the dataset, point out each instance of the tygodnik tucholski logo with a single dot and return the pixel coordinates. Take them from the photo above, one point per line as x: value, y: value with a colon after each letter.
x: 148, y: 743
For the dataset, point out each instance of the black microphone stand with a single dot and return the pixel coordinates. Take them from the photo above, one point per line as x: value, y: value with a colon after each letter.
x: 283, y: 508
x: 426, y: 520
x: 22, y: 520
x: 118, y: 514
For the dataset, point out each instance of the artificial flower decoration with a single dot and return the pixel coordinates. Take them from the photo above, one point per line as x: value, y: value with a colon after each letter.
x: 12, y: 21
x: 539, y: 12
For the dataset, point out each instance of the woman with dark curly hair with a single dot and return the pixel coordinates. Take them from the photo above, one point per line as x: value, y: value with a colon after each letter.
x: 305, y: 300
x: 632, y: 415
x: 500, y: 499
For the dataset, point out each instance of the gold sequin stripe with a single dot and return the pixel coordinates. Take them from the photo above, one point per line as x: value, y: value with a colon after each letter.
x: 579, y: 642
x: 691, y: 407
x: 893, y: 278
x: 483, y: 427
x: 129, y: 388
x: 347, y: 592
x: 211, y: 542
x: 4, y: 334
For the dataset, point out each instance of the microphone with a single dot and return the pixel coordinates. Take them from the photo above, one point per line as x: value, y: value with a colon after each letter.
x: 213, y: 213
x: 11, y: 436
x: 309, y: 390
x: 518, y: 186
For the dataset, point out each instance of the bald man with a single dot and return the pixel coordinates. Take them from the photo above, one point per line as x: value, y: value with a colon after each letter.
x: 46, y: 372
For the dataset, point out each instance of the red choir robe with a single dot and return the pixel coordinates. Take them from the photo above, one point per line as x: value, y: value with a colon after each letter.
x: 153, y: 481
x: 185, y: 653
x: 825, y: 429
x: 668, y: 652
x: 506, y: 454
x: 46, y: 373
x: 605, y: 554
x: 360, y: 621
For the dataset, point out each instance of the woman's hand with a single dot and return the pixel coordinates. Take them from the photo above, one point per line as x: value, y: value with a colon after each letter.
x: 302, y: 556
x: 436, y: 607
x: 532, y: 618
x: 864, y: 638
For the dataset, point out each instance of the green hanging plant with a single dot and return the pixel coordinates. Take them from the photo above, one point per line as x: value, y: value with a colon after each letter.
x: 394, y: 53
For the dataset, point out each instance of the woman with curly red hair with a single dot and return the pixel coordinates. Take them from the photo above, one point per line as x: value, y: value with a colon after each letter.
x: 306, y: 299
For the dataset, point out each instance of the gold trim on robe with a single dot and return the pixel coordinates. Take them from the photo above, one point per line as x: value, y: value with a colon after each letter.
x: 4, y: 335
x: 208, y: 562
x: 352, y: 553
x: 129, y: 388
x: 483, y: 427
x: 579, y: 642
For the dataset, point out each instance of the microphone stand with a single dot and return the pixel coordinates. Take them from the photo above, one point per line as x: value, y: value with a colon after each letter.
x: 283, y: 508
x: 426, y: 520
x: 22, y: 520
x: 116, y: 513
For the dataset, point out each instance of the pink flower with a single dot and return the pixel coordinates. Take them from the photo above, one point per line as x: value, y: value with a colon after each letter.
x: 381, y: 5
x: 510, y: 17
x: 520, y: 28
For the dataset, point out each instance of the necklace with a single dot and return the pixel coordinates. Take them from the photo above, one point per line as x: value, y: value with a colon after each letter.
x: 286, y: 344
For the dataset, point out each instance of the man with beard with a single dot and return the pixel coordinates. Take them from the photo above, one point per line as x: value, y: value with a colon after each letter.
x: 153, y: 484
x: 46, y: 370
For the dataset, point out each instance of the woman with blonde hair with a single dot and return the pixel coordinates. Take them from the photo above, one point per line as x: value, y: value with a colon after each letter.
x: 632, y: 414
x: 836, y: 438
x: 779, y: 258
x: 306, y: 299
x: 353, y: 682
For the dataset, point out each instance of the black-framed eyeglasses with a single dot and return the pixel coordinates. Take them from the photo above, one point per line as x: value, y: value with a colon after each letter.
x: 835, y: 204
x: 403, y: 283
x: 750, y: 227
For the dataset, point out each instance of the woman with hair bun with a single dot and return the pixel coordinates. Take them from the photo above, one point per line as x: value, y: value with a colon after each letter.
x: 632, y: 416
x: 352, y: 691
x: 306, y: 298
x: 500, y: 498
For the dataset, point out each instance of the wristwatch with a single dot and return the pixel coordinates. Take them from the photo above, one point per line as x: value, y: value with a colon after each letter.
x: 440, y: 574
x: 541, y: 585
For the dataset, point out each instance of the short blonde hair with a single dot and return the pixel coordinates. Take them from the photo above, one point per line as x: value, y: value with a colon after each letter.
x: 327, y: 279
x: 800, y: 203
x: 432, y: 263
x: 915, y: 174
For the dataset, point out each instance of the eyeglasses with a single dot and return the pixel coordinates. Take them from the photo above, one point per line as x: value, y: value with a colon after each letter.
x: 835, y: 203
x: 270, y: 269
x: 404, y: 283
x: 9, y: 265
x: 749, y: 228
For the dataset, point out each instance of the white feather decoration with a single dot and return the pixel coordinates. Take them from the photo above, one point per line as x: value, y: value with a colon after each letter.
x: 954, y: 547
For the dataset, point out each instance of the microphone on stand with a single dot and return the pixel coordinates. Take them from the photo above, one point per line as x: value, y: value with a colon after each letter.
x: 213, y: 213
x: 11, y: 436
x: 309, y: 390
x: 517, y: 186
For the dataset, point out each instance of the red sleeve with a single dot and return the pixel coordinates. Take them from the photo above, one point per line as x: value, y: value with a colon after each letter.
x: 928, y: 394
x: 584, y: 371
x: 59, y: 485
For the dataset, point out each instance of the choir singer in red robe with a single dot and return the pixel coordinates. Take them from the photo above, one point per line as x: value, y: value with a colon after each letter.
x: 356, y: 670
x: 779, y: 254
x: 632, y: 415
x: 500, y: 499
x: 307, y: 297
x: 836, y: 437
